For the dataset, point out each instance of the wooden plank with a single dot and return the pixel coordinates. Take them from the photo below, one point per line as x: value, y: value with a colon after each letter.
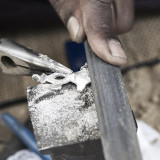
x: 116, y: 123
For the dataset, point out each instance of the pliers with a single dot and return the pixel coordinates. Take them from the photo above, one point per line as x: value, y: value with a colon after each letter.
x: 18, y: 60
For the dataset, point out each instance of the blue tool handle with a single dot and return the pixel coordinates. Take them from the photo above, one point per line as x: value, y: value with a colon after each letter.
x: 23, y: 133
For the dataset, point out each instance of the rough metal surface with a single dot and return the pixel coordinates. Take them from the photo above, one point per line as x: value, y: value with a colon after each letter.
x: 64, y: 121
x: 116, y: 121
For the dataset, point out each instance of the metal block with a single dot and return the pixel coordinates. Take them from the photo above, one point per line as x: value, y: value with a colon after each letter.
x: 65, y: 122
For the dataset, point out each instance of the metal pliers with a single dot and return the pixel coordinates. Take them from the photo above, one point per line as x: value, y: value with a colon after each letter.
x: 18, y: 60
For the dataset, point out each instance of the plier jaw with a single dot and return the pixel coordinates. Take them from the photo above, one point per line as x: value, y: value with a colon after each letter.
x: 18, y: 60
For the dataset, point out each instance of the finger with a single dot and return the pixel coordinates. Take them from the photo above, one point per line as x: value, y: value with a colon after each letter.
x: 75, y: 26
x: 124, y: 15
x: 98, y: 26
x: 70, y: 14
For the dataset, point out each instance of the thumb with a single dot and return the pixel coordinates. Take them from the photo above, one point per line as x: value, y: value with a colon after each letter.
x: 98, y: 25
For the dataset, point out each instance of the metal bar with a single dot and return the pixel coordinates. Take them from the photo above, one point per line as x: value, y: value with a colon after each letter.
x: 116, y: 123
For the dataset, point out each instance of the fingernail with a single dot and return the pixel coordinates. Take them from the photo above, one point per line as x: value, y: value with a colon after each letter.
x: 116, y: 49
x: 73, y: 27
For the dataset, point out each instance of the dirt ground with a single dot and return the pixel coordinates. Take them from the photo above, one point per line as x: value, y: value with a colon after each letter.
x: 142, y: 84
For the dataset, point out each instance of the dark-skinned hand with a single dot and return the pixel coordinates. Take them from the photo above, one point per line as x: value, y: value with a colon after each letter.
x: 99, y: 21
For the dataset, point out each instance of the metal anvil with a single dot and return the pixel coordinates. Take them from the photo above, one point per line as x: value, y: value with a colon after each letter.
x: 65, y: 122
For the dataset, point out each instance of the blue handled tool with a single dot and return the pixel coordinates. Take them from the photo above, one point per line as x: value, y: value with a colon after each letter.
x: 23, y: 133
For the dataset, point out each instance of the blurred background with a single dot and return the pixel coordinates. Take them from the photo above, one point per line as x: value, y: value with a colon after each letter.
x: 33, y: 23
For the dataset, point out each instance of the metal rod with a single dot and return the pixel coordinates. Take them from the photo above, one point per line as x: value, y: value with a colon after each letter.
x: 116, y: 123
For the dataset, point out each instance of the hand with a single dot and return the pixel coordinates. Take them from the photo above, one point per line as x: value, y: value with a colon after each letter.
x: 99, y: 21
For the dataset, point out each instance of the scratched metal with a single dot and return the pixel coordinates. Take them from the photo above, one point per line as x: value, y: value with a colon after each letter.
x: 64, y: 121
